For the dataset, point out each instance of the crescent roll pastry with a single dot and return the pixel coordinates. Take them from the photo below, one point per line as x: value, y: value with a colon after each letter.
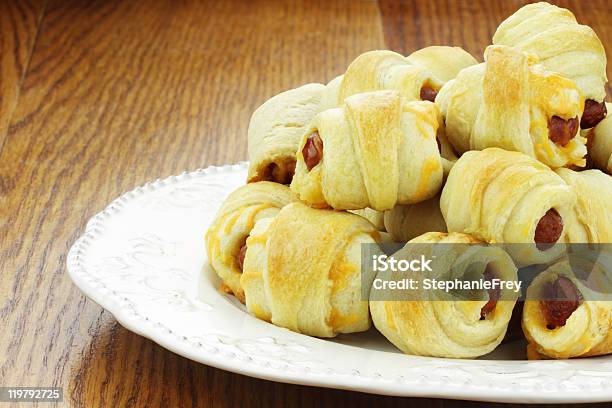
x: 375, y: 217
x: 508, y: 197
x: 376, y: 151
x: 416, y: 77
x: 447, y: 152
x: 405, y: 222
x: 600, y: 144
x: 331, y: 95
x: 438, y: 324
x: 302, y: 271
x: 564, y: 318
x: 443, y: 62
x: 275, y: 131
x: 276, y: 127
x: 513, y: 103
x: 591, y: 220
x: 225, y: 239
x: 563, y: 46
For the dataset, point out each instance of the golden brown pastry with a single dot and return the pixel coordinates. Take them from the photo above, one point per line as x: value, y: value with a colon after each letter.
x: 277, y: 126
x: 225, y: 239
x: 508, y: 197
x: 563, y: 46
x: 600, y: 144
x: 376, y: 151
x: 275, y: 130
x: 436, y: 323
x: 330, y: 98
x: 443, y: 62
x: 416, y: 77
x: 405, y: 222
x: 591, y: 220
x: 446, y: 149
x: 564, y: 318
x: 302, y: 271
x: 511, y: 102
x: 377, y: 218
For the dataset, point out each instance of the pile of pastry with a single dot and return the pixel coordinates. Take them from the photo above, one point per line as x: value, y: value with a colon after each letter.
x: 432, y: 147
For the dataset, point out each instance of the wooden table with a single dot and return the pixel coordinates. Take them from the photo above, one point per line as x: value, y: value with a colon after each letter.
x: 98, y: 97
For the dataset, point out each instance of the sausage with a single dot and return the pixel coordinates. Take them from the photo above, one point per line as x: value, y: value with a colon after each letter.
x: 313, y: 150
x: 549, y: 229
x: 594, y: 112
x: 241, y: 255
x: 283, y: 173
x: 563, y: 298
x: 428, y: 93
x: 494, y: 295
x: 561, y: 131
x: 490, y: 305
x: 279, y: 173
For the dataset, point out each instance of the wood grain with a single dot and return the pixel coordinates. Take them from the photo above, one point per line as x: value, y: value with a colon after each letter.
x: 106, y: 95
x: 18, y: 27
x: 117, y: 93
x: 412, y: 24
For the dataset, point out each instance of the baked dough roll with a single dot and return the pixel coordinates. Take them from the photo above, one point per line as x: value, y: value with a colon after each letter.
x: 416, y: 77
x: 275, y: 130
x: 600, y: 144
x: 443, y: 62
x: 226, y: 236
x: 591, y: 220
x: 302, y: 271
x: 438, y: 324
x: 405, y: 222
x: 446, y: 149
x: 376, y: 151
x: 563, y: 46
x: 377, y: 218
x: 331, y: 95
x: 508, y: 197
x: 563, y: 318
x: 513, y: 103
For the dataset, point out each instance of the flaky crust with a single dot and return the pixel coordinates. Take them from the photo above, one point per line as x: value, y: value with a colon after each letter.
x: 405, y: 222
x: 448, y: 328
x: 447, y: 151
x: 507, y: 102
x: 233, y: 224
x: 275, y: 130
x: 499, y: 197
x: 586, y: 332
x: 591, y: 220
x: 302, y: 271
x: 388, y: 70
x: 600, y: 143
x: 563, y: 45
x: 331, y: 94
x: 443, y: 62
x: 276, y: 127
x: 377, y: 218
x: 378, y: 151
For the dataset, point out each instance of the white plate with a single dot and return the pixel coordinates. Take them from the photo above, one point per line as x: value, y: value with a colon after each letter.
x: 143, y: 260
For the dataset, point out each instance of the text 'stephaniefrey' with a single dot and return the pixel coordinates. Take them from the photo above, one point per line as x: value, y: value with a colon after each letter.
x: 473, y: 271
x: 447, y: 285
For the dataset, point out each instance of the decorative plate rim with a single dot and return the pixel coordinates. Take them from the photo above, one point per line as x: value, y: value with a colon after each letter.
x: 217, y: 355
